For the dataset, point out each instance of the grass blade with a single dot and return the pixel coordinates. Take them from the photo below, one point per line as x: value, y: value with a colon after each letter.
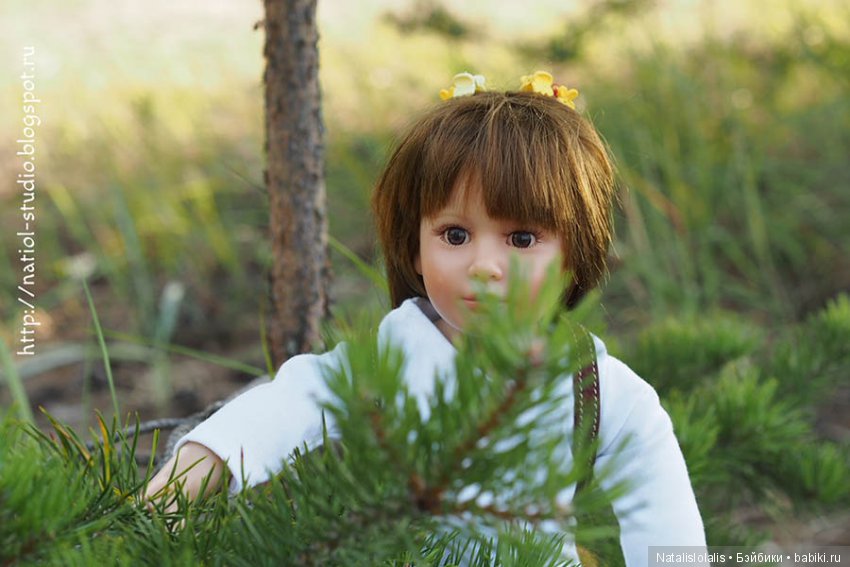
x: 19, y: 395
x: 373, y: 275
x: 106, y: 364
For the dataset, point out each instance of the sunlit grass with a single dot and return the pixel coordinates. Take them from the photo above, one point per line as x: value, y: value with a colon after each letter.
x: 12, y: 379
x: 700, y: 138
x: 732, y: 151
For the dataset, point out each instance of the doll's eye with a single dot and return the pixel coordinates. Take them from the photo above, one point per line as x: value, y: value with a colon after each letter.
x: 456, y: 236
x: 523, y: 239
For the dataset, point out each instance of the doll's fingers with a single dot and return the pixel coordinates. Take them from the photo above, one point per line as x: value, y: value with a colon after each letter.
x: 192, y: 473
x: 158, y: 481
x: 160, y: 487
x: 157, y: 494
x: 163, y: 500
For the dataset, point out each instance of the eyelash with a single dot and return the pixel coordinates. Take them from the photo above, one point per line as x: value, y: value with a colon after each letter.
x: 443, y: 233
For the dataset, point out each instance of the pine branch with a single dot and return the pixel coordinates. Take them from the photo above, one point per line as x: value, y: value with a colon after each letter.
x: 430, y: 498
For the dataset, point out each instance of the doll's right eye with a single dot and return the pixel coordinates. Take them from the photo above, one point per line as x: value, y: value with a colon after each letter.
x: 456, y: 236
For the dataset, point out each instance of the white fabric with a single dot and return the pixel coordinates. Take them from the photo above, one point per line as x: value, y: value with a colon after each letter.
x: 255, y: 432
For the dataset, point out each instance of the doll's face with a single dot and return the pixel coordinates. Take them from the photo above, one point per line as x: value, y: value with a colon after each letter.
x: 461, y: 244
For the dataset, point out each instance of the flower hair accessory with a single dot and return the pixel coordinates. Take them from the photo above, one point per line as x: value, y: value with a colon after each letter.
x: 541, y: 82
x: 464, y: 84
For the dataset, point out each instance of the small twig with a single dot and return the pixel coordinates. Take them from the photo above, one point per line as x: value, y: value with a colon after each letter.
x: 144, y: 427
x: 430, y: 498
x: 376, y: 420
x: 162, y: 423
x: 485, y: 428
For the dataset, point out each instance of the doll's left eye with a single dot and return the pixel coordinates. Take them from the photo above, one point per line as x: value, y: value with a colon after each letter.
x: 523, y: 239
x: 456, y: 235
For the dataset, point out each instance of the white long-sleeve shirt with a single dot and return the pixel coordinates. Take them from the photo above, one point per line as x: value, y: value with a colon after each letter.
x: 255, y: 432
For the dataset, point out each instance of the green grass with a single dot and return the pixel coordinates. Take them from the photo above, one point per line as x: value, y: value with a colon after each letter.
x: 12, y: 379
x: 732, y: 177
x: 731, y: 150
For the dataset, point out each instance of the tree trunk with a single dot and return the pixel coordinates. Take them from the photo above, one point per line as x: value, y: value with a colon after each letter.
x: 295, y: 177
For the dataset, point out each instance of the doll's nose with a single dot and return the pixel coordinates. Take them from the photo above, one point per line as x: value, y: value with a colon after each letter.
x: 485, y: 269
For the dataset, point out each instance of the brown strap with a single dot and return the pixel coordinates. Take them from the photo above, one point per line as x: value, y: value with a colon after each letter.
x: 586, y: 402
x: 585, y: 434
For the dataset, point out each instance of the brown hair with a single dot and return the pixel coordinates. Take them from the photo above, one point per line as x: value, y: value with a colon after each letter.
x: 538, y: 161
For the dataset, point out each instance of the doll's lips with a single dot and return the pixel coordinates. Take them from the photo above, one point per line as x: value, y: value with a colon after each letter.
x: 473, y: 304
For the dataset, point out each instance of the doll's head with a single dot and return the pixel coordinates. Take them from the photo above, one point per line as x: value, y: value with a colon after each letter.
x: 537, y: 162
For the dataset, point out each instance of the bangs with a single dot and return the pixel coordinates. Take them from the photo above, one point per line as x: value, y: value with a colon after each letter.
x: 511, y: 148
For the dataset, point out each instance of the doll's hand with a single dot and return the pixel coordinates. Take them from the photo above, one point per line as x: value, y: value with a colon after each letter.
x: 193, y: 470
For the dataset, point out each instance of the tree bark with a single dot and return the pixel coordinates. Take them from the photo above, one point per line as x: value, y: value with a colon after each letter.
x: 295, y: 177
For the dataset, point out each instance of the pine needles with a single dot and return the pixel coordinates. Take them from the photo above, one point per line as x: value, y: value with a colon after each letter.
x: 744, y: 404
x: 472, y: 476
x: 475, y: 473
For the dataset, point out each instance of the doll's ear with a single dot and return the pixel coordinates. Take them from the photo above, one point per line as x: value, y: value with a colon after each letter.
x: 417, y: 263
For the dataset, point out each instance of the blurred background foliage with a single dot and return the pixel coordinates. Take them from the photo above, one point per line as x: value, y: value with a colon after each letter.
x: 729, y: 120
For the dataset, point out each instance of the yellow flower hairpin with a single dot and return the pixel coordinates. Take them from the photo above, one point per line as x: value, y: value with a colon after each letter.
x: 541, y: 82
x: 464, y: 84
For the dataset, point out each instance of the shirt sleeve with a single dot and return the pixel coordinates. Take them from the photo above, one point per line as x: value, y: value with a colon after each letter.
x: 256, y: 431
x: 638, y: 448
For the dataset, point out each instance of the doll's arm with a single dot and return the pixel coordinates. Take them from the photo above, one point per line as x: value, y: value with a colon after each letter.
x: 253, y: 434
x: 194, y: 469
x: 659, y: 507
